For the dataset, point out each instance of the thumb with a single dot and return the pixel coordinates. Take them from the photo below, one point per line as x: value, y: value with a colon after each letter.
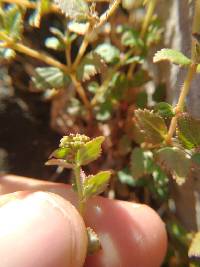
x: 40, y: 229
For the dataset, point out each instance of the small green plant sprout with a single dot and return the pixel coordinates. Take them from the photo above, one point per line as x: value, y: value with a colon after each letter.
x: 74, y: 152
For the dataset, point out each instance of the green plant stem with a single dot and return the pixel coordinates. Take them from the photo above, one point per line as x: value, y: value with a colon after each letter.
x: 83, y: 47
x: 180, y: 105
x: 81, y: 91
x: 77, y: 173
x: 33, y: 53
x: 91, y: 30
x: 50, y: 61
x: 148, y: 16
x: 104, y: 17
x: 189, y: 77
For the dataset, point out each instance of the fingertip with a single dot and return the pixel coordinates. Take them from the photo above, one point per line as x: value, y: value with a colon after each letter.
x: 130, y: 234
x: 153, y: 231
x: 41, y: 229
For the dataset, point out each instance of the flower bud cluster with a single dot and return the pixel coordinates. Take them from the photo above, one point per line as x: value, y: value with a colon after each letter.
x: 74, y: 141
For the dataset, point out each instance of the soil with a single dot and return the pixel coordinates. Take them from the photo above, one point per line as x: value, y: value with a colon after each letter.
x: 26, y: 139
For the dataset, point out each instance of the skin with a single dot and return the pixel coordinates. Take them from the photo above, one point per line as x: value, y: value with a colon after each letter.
x: 41, y: 227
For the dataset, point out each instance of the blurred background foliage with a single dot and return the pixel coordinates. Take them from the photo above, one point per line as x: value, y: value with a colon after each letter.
x: 88, y: 74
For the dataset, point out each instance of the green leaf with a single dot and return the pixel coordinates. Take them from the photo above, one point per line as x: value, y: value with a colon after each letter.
x: 164, y: 109
x: 154, y: 33
x: 125, y: 177
x: 60, y: 153
x: 140, y: 78
x: 160, y: 93
x: 91, y: 64
x: 90, y: 151
x: 194, y: 250
x: 196, y: 159
x: 93, y: 87
x: 11, y: 22
x: 173, y: 56
x: 95, y: 184
x: 131, y: 38
x: 74, y: 9
x: 108, y: 52
x: 141, y: 162
x: 188, y: 131
x: 135, y: 59
x: 176, y: 161
x: 141, y: 100
x: 50, y: 77
x: 103, y: 112
x: 152, y: 125
x: 55, y: 44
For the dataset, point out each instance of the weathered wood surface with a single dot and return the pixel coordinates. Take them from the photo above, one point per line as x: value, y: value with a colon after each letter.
x: 178, y: 15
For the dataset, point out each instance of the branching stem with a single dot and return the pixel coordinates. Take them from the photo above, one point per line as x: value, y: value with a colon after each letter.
x: 180, y: 105
x: 33, y: 53
x: 91, y: 30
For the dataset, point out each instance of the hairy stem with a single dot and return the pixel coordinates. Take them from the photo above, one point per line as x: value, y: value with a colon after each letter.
x: 189, y: 77
x: 179, y: 107
x: 104, y: 17
x: 77, y: 173
x: 148, y: 17
x: 80, y: 90
x: 91, y: 29
x: 33, y: 53
x: 145, y: 25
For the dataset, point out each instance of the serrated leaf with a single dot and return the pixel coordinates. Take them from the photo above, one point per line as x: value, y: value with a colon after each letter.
x: 164, y: 109
x: 50, y: 77
x: 108, y: 52
x: 74, y: 9
x: 141, y: 162
x: 141, y: 100
x: 173, y: 56
x: 11, y: 22
x: 91, y: 64
x: 131, y: 38
x: 194, y: 250
x: 90, y: 151
x: 153, y: 126
x: 176, y: 162
x: 188, y: 131
x: 95, y: 184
